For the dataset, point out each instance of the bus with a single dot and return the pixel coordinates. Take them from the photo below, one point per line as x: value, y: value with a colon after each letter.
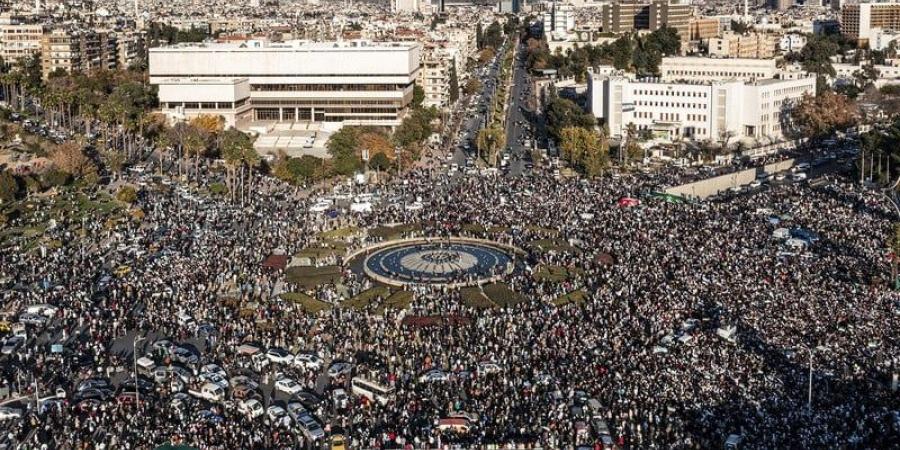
x: 371, y: 390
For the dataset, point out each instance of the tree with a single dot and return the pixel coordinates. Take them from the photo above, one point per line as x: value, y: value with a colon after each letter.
x: 479, y: 36
x: 563, y: 113
x: 489, y: 142
x: 819, y: 116
x: 343, y: 147
x: 127, y: 194
x: 418, y: 96
x: 472, y: 86
x: 376, y: 142
x: 9, y: 188
x: 209, y: 123
x: 585, y: 150
x: 486, y: 55
x: 380, y: 162
x: 454, y: 82
x: 632, y: 149
x: 70, y: 158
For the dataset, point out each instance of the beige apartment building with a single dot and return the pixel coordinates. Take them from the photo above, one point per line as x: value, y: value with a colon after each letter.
x: 862, y: 20
x: 752, y: 45
x: 20, y: 40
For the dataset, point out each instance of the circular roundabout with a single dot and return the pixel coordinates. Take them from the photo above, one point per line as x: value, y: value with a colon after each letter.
x: 447, y: 261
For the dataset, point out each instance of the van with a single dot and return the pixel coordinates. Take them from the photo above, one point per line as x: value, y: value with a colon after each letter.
x: 733, y: 442
x: 455, y: 424
x: 146, y: 365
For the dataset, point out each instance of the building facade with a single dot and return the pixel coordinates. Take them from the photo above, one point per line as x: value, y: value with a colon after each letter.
x: 19, y: 41
x: 699, y: 69
x: 860, y: 20
x: 352, y: 83
x: 671, y: 14
x: 751, y: 45
x: 623, y: 16
x: 703, y: 28
x: 698, y: 111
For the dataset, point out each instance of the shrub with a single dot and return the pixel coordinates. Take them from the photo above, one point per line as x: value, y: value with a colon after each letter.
x: 55, y: 177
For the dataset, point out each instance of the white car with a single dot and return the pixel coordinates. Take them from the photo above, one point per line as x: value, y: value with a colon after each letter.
x: 308, y: 361
x: 251, y: 408
x: 320, y: 207
x: 214, y: 368
x: 755, y: 183
x: 799, y: 176
x: 276, y: 413
x: 339, y: 368
x: 433, y: 375
x: 216, y: 379
x: 279, y: 355
x: 488, y: 368
x: 7, y: 413
x: 288, y: 386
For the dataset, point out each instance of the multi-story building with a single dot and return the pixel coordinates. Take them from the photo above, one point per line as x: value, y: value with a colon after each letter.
x: 698, y: 111
x: 703, y: 28
x: 792, y: 42
x: 60, y: 50
x: 751, y: 45
x: 350, y: 82
x: 623, y: 16
x: 859, y: 21
x: 130, y: 47
x: 559, y: 19
x: 671, y: 14
x: 405, y: 5
x: 698, y: 69
x: 18, y: 41
x: 440, y: 63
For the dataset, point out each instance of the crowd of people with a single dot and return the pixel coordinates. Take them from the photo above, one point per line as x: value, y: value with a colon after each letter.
x: 659, y: 280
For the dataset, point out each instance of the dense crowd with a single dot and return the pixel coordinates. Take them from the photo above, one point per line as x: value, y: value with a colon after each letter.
x: 677, y: 270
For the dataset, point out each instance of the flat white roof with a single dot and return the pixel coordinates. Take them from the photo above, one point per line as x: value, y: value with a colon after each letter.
x: 293, y: 45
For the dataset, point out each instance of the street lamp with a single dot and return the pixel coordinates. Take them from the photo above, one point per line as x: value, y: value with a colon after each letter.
x: 137, y: 391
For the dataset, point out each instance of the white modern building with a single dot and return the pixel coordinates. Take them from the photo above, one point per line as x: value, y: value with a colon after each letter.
x: 696, y: 68
x: 349, y: 83
x: 717, y: 110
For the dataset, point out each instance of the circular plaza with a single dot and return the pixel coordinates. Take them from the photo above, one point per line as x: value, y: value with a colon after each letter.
x: 452, y: 262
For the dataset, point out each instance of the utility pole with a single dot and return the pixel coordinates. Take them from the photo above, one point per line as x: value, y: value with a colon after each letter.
x: 809, y: 397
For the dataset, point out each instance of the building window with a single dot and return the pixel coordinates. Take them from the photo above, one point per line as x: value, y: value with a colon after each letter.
x: 267, y: 114
x: 191, y: 105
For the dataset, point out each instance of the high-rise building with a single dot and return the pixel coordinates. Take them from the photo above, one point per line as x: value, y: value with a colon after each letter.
x: 350, y: 82
x: 671, y: 14
x: 623, y: 16
x: 858, y: 21
x: 20, y: 40
x: 703, y: 28
x: 406, y: 5
x: 781, y: 5
x: 559, y: 19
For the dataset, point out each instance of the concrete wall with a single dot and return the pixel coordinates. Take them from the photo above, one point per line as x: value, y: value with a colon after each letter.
x: 711, y: 186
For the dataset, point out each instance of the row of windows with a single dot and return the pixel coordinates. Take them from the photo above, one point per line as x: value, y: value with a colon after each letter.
x: 717, y: 73
x: 204, y: 105
x: 266, y: 102
x: 790, y: 90
x: 672, y: 104
x: 671, y: 93
x: 325, y: 87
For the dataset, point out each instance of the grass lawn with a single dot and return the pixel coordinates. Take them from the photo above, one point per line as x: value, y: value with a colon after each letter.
x: 555, y: 274
x: 502, y: 295
x: 473, y: 298
x: 542, y: 230
x: 364, y: 298
x: 552, y: 245
x: 309, y: 277
x: 339, y: 233
x: 397, y: 300
x: 473, y: 228
x: 327, y: 249
x: 572, y: 297
x: 394, y: 232
x: 309, y: 304
x: 498, y: 230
